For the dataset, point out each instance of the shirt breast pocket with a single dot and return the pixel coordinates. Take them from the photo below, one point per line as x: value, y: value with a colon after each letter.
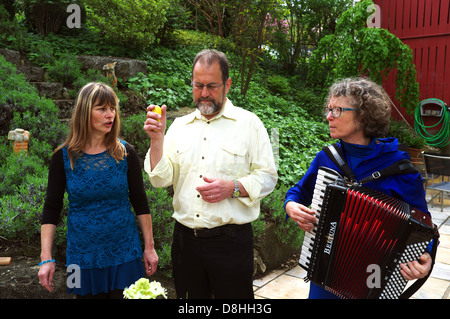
x: 184, y: 158
x: 232, y: 160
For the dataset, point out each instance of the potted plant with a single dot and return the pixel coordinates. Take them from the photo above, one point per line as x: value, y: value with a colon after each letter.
x: 408, y: 137
x: 415, y: 144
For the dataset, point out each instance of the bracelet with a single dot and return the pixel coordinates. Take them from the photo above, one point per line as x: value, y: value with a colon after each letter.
x: 46, y: 261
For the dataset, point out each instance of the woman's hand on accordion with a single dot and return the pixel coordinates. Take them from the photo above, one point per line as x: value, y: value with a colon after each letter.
x: 301, y: 215
x: 417, y: 269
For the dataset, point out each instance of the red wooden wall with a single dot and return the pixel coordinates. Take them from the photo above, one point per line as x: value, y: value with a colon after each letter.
x: 424, y: 25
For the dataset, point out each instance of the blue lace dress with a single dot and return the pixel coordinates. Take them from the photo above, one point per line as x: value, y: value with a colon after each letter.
x: 102, y: 235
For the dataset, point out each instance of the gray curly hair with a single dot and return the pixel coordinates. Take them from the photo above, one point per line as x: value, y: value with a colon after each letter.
x: 372, y: 101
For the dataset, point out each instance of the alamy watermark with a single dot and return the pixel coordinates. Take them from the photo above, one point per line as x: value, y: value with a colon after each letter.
x: 374, y: 20
x: 74, y: 19
x: 374, y: 279
x: 73, y: 276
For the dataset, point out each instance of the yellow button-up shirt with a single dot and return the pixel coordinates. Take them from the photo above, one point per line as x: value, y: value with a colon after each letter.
x: 233, y: 145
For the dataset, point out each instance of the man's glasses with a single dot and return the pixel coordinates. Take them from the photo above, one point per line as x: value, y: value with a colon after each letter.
x: 336, y: 111
x: 210, y: 86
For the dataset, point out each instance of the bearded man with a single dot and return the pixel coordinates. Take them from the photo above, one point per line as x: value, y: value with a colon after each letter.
x: 220, y: 162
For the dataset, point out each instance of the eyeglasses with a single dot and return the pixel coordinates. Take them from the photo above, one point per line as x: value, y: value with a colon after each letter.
x: 210, y: 86
x: 336, y: 111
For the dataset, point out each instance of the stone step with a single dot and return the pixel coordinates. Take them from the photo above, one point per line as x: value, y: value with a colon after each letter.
x: 65, y: 108
x: 32, y: 73
x: 51, y: 90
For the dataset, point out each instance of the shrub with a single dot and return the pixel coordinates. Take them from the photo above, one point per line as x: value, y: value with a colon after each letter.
x: 41, y: 52
x: 163, y: 88
x: 133, y: 132
x: 37, y: 115
x: 16, y: 168
x: 24, y: 177
x: 272, y: 210
x: 160, y: 204
x: 200, y: 40
x: 12, y: 34
x: 278, y: 84
x: 66, y: 69
x: 22, y: 195
x: 405, y: 134
x: 131, y: 23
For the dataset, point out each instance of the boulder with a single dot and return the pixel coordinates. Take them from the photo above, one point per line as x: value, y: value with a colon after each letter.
x: 65, y: 108
x: 32, y: 73
x: 124, y: 69
x: 11, y: 56
x: 51, y: 90
x: 271, y: 251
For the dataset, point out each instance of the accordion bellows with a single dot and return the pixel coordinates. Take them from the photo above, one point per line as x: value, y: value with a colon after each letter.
x: 360, y: 239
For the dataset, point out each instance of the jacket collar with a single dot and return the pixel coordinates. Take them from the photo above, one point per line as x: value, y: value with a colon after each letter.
x: 382, y: 145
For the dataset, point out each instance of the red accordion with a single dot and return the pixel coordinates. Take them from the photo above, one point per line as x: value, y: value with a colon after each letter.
x: 360, y: 239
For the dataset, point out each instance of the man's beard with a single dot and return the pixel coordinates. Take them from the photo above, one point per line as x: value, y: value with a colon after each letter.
x: 208, y: 106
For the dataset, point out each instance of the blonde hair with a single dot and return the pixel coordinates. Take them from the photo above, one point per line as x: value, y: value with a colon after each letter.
x: 93, y: 94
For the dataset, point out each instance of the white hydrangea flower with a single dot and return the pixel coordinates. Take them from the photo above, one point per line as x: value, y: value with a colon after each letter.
x: 144, y: 289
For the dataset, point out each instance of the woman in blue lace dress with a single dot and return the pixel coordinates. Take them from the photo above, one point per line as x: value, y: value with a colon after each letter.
x: 102, y: 176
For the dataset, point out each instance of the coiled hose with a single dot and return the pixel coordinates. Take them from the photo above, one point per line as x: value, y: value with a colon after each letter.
x: 441, y: 138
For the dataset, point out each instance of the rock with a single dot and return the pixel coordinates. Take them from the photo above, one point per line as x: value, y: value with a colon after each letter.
x: 258, y: 264
x: 124, y: 69
x: 65, y: 108
x: 50, y: 90
x: 32, y: 73
x: 11, y: 56
x: 271, y: 250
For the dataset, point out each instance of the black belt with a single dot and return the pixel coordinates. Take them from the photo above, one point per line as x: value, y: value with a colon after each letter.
x: 212, y: 232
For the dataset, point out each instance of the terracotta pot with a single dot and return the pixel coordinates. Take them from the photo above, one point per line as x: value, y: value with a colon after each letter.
x: 19, y: 146
x: 414, y: 152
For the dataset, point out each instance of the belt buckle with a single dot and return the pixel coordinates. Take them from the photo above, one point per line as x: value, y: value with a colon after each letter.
x: 195, y: 232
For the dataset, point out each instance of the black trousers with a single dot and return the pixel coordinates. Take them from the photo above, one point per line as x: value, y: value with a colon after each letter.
x: 215, y: 263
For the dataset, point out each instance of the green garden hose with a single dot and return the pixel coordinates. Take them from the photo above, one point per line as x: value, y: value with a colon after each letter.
x: 441, y: 138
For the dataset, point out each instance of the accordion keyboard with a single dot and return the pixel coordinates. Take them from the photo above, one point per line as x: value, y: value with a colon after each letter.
x: 324, y: 177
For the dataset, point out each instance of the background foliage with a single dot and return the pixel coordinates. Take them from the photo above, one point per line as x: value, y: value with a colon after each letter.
x: 355, y: 49
x: 133, y: 24
x: 283, y: 55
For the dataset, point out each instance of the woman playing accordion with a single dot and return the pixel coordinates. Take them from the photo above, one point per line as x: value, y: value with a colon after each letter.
x: 358, y: 112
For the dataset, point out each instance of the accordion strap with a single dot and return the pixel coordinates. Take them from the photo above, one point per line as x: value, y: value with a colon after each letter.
x: 335, y: 153
x: 403, y: 166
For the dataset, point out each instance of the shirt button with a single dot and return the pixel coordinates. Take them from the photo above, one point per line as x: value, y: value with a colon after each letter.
x: 197, y: 215
x: 201, y: 176
x: 198, y: 195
